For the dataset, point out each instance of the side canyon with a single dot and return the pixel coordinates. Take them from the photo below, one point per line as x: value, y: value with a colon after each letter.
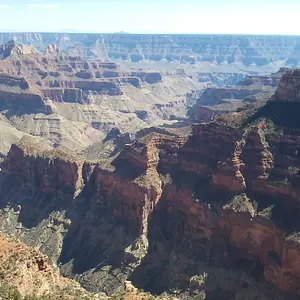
x: 135, y: 182
x: 204, y: 211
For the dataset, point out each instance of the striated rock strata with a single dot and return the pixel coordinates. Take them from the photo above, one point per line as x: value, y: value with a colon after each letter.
x: 212, y: 212
x: 220, y: 100
x: 192, y: 48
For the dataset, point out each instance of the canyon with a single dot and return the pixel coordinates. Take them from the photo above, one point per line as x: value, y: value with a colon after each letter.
x: 139, y: 182
x: 179, y: 47
x: 256, y: 89
x: 221, y: 59
x: 207, y: 211
x: 73, y: 102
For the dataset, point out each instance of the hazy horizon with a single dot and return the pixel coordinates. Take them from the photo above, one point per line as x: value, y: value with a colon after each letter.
x: 152, y: 17
x: 3, y: 30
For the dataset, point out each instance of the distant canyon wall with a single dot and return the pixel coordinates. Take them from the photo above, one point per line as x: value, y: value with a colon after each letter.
x: 217, y: 49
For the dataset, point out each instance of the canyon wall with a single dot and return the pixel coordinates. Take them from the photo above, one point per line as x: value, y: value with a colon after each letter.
x: 186, y: 48
x: 251, y: 89
x: 30, y: 159
x: 211, y: 209
x: 239, y: 193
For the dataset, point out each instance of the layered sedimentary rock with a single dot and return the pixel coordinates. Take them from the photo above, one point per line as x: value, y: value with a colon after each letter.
x: 209, y: 59
x: 220, y: 100
x: 64, y: 95
x: 214, y: 185
x: 220, y: 79
x: 74, y: 102
x: 149, y: 77
x: 40, y: 166
x: 11, y: 49
x: 190, y: 48
x: 212, y: 188
x: 54, y: 69
x: 210, y: 211
x: 26, y: 272
x: 288, y: 87
x: 16, y: 93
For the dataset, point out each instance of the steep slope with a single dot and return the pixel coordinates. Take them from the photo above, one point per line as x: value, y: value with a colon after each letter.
x: 219, y: 100
x: 8, y: 136
x: 217, y: 59
x: 27, y: 272
x: 210, y: 213
x: 74, y: 102
x: 12, y: 49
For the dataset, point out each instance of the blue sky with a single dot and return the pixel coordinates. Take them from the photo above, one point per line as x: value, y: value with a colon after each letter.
x: 153, y: 16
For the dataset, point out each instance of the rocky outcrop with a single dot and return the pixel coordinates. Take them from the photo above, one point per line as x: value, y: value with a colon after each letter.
x: 25, y: 102
x: 252, y: 89
x: 26, y: 272
x: 272, y: 80
x: 288, y: 87
x: 48, y: 72
x: 54, y: 82
x: 40, y: 166
x: 103, y: 87
x: 16, y: 93
x: 220, y: 79
x: 63, y: 78
x: 212, y: 188
x: 13, y: 81
x: 284, y: 104
x: 149, y: 77
x: 210, y: 211
x: 213, y: 96
x: 11, y: 49
x: 68, y: 95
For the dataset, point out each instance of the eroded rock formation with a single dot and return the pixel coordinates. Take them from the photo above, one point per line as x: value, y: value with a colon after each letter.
x: 30, y: 272
x: 74, y: 102
x: 251, y: 89
x: 213, y: 210
x: 248, y: 50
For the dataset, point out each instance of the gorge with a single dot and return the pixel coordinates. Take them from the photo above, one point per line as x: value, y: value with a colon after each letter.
x: 179, y: 205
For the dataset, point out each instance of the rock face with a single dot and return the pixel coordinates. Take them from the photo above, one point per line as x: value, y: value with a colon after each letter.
x: 283, y: 106
x: 16, y: 94
x: 74, y: 102
x: 213, y: 96
x: 189, y: 48
x: 212, y: 210
x: 55, y: 70
x: 170, y: 206
x: 220, y: 100
x: 220, y: 79
x: 30, y: 271
x: 12, y: 49
x: 289, y: 87
x: 149, y: 77
x: 29, y: 160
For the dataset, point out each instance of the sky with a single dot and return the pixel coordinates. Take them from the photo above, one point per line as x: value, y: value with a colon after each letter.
x: 152, y: 16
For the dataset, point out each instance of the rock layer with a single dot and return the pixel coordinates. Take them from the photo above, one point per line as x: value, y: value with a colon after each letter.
x: 213, y: 189
x: 172, y: 210
x: 186, y: 48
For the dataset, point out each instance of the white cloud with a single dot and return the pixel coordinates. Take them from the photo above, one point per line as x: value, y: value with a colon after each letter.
x: 4, y: 6
x: 43, y: 5
x: 20, y: 13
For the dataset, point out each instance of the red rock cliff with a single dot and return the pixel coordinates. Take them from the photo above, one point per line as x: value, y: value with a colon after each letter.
x: 236, y: 188
x: 40, y: 166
